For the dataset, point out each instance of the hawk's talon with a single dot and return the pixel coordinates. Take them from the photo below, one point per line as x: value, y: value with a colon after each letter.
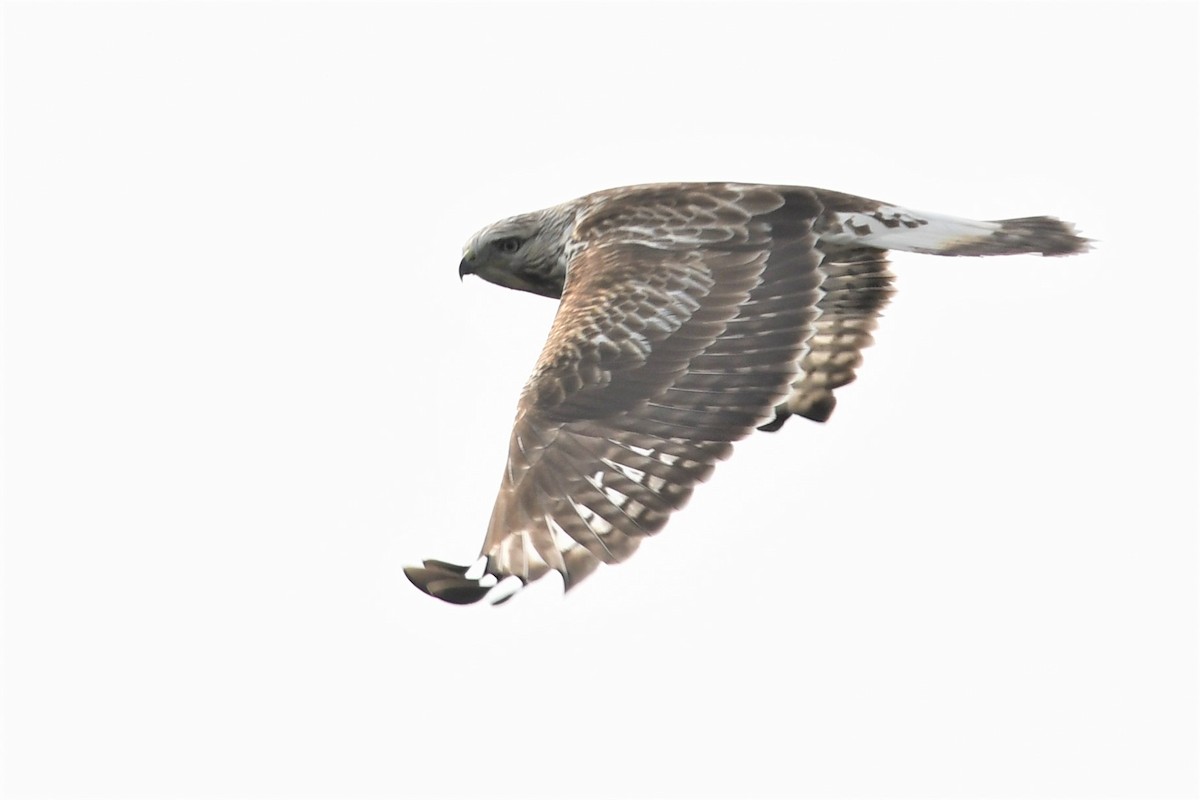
x: 781, y: 416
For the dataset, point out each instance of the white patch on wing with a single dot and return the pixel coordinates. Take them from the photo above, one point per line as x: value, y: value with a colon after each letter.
x: 616, y: 498
x: 562, y: 540
x: 598, y: 524
x: 505, y: 589
x: 476, y: 570
x: 632, y: 473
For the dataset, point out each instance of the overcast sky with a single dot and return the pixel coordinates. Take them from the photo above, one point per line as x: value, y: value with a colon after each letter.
x: 243, y: 387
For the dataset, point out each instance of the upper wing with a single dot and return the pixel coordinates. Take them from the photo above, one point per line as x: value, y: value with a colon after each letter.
x: 684, y: 315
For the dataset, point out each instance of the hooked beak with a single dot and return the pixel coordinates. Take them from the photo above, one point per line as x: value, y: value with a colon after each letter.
x: 466, y: 266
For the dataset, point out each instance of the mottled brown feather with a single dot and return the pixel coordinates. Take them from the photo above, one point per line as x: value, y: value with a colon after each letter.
x: 659, y: 358
x: 687, y: 311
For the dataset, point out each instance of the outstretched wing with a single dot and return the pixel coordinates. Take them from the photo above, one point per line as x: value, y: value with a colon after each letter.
x: 683, y: 318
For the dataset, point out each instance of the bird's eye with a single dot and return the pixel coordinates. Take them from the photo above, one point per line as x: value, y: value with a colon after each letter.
x: 509, y: 244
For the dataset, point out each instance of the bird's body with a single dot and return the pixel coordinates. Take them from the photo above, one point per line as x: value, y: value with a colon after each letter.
x: 689, y: 315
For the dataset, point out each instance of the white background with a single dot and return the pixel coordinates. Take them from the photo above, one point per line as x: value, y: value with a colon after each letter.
x: 243, y: 387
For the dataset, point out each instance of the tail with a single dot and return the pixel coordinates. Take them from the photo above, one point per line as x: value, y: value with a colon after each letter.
x: 854, y: 235
x: 889, y: 227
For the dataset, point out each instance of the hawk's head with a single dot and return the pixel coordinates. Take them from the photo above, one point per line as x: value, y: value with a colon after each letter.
x: 526, y: 252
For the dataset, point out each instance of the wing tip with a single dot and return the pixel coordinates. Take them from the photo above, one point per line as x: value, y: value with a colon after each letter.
x: 452, y: 583
x: 447, y: 582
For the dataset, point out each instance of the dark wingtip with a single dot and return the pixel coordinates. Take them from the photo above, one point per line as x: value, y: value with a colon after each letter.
x: 447, y: 582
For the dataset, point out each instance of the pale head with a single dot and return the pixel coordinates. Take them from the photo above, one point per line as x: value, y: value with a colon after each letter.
x: 526, y: 252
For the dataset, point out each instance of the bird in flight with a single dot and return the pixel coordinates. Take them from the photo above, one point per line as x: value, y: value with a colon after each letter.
x: 689, y: 315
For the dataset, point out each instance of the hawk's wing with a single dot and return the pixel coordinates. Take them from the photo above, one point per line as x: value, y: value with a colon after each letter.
x: 684, y: 315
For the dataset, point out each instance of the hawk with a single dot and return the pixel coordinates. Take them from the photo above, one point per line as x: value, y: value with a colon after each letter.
x: 689, y: 315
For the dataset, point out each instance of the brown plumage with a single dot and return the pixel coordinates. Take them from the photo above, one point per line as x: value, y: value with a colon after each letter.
x: 689, y: 315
